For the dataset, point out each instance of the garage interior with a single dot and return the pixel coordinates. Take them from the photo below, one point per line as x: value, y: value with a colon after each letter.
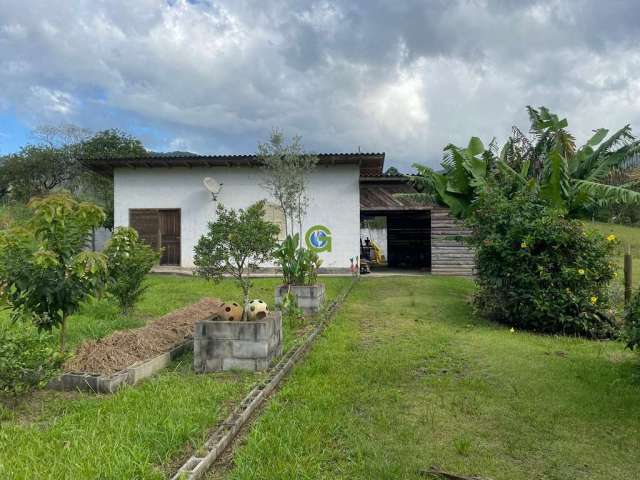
x: 395, y: 232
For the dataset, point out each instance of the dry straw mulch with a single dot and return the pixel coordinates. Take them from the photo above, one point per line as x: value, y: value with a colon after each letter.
x: 122, y: 349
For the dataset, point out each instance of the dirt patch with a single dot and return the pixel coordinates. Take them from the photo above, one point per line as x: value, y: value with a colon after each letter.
x: 122, y: 349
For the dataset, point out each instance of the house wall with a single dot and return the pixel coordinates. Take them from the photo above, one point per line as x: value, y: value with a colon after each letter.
x: 333, y: 192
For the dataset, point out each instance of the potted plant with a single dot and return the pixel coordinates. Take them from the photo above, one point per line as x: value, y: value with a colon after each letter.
x: 235, y: 245
x: 300, y: 274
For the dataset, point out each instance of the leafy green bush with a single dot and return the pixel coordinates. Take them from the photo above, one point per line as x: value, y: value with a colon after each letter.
x: 28, y: 358
x: 299, y: 265
x: 45, y: 274
x: 632, y: 322
x: 128, y: 261
x: 540, y: 271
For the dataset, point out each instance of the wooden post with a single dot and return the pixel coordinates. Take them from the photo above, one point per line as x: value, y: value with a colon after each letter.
x: 628, y: 287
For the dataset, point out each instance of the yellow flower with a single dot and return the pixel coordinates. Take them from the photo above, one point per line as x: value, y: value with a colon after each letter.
x: 523, y: 245
x: 594, y: 300
x: 611, y: 238
x: 581, y: 271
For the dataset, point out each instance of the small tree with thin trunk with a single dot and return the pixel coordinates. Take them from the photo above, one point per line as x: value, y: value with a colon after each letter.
x: 236, y: 244
x: 286, y: 167
x: 44, y: 273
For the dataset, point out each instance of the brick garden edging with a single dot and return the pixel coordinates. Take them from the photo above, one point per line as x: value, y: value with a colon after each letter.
x: 196, y: 466
x: 131, y: 375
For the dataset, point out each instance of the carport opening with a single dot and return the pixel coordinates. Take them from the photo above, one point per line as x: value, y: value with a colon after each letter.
x: 396, y: 240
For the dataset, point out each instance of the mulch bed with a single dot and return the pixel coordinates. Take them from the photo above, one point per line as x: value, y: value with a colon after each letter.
x: 122, y: 349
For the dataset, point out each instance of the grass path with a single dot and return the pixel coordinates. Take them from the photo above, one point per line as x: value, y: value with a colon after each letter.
x: 405, y: 378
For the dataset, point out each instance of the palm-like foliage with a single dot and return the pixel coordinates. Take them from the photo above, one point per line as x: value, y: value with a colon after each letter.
x: 465, y: 170
x: 548, y: 164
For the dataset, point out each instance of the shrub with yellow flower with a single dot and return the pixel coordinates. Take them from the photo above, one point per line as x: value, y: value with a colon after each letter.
x: 581, y: 271
x: 523, y: 245
x: 611, y: 238
x: 594, y: 300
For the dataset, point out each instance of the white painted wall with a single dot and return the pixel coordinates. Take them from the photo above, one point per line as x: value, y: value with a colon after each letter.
x: 333, y: 191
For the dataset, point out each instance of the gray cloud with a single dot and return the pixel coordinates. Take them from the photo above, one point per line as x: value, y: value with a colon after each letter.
x: 403, y: 77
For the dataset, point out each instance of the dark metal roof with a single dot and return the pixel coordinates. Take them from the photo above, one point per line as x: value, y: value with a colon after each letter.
x: 370, y: 163
x: 379, y: 193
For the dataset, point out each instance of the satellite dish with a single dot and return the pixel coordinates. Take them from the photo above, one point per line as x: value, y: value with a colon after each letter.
x: 212, y: 185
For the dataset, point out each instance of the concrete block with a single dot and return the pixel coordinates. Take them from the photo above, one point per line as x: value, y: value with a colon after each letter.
x: 239, y: 364
x: 309, y: 297
x: 263, y: 364
x: 213, y: 364
x: 220, y: 345
x: 244, y: 349
x: 218, y: 348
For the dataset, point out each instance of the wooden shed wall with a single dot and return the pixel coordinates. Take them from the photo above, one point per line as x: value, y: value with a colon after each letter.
x: 449, y: 254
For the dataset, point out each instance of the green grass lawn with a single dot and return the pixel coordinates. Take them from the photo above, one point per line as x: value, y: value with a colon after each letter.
x: 406, y: 378
x: 628, y: 236
x: 166, y: 293
x: 141, y: 432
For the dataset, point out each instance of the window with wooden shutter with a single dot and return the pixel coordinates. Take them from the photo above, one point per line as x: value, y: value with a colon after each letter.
x: 274, y: 214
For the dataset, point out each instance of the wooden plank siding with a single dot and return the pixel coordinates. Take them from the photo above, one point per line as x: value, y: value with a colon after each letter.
x: 449, y: 254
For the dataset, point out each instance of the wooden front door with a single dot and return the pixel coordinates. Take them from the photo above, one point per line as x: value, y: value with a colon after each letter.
x: 170, y: 237
x: 160, y: 229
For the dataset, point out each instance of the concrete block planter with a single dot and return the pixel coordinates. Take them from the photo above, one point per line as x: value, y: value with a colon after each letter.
x: 90, y: 382
x: 310, y: 297
x: 221, y: 345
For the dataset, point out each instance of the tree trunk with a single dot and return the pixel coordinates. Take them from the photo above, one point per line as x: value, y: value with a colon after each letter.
x: 245, y: 303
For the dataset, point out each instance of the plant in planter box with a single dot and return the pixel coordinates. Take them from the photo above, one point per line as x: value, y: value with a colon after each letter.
x: 300, y: 273
x: 236, y: 244
x: 299, y: 265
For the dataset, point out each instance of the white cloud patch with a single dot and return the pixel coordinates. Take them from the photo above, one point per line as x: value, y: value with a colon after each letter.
x: 401, y: 77
x: 52, y: 103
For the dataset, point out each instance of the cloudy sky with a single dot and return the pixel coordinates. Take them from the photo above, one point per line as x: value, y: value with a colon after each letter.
x: 404, y: 77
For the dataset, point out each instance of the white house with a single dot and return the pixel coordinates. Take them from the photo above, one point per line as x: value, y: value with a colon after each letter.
x: 165, y: 199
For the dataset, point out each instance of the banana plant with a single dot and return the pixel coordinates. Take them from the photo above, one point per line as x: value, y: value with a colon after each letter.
x: 465, y: 171
x: 548, y: 165
x: 576, y: 179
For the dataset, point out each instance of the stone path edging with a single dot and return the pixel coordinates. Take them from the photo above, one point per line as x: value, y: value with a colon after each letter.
x: 196, y: 466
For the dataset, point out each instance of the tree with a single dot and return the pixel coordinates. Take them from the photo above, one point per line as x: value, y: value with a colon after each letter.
x: 54, y: 162
x: 44, y: 273
x: 235, y: 244
x: 465, y: 172
x: 128, y: 260
x: 573, y: 180
x: 35, y: 170
x: 286, y: 167
x: 107, y: 144
x: 576, y: 179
